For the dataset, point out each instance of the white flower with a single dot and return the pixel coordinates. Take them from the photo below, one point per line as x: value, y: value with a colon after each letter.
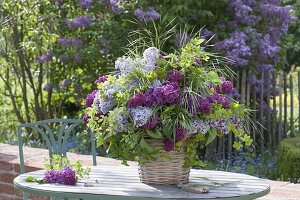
x: 103, y: 105
x: 124, y: 64
x: 200, y: 126
x: 140, y: 115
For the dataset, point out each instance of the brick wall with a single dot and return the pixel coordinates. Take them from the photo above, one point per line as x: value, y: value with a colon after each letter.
x: 34, y: 159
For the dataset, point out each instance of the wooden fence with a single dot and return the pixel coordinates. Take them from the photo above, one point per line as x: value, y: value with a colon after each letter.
x: 275, y: 102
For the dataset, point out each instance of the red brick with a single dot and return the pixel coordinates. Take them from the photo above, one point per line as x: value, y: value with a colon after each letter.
x: 7, y: 177
x: 5, y: 165
x: 7, y: 188
x: 36, y: 197
x: 9, y: 197
x: 27, y: 168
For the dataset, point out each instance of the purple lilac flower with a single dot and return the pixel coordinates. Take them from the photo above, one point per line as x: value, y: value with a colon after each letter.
x: 115, y: 6
x: 122, y: 123
x: 175, y: 76
x: 44, y: 58
x: 200, y: 126
x: 101, y: 79
x: 198, y: 61
x: 204, y: 105
x: 152, y: 123
x: 137, y: 100
x: 86, y: 118
x: 64, y: 58
x: 168, y: 144
x: 180, y: 133
x: 227, y: 87
x: 140, y: 115
x: 106, y: 46
x: 69, y: 42
x: 103, y: 105
x: 170, y: 93
x: 146, y: 15
x: 82, y: 21
x: 217, y: 98
x: 90, y: 98
x: 85, y: 3
x: 221, y: 125
x: 267, y: 47
x: 65, y: 83
x: 77, y: 58
x: 182, y: 39
x: 237, y: 121
x: 47, y: 87
x: 51, y: 176
x: 67, y: 176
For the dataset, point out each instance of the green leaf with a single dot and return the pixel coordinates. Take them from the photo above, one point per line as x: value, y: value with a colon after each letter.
x: 146, y: 145
x: 214, y: 77
x: 30, y: 179
x: 211, y: 136
x: 40, y: 181
x: 237, y: 145
x: 154, y: 135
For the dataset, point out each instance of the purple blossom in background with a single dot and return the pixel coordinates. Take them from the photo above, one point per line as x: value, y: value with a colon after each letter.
x: 47, y: 87
x: 168, y: 144
x: 82, y: 21
x: 69, y: 42
x: 267, y: 48
x: 85, y: 3
x: 182, y: 39
x: 90, y: 98
x: 44, y: 58
x: 115, y: 6
x: 180, y: 133
x: 175, y: 76
x: 64, y: 58
x: 152, y: 123
x: 266, y: 68
x: 85, y: 118
x: 101, y: 79
x: 206, y: 34
x: 106, y: 46
x: 77, y: 58
x: 146, y: 15
x: 65, y: 83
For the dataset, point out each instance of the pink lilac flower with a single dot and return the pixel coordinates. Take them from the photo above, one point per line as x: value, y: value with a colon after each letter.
x: 152, y: 123
x: 90, y: 98
x: 168, y: 144
x: 101, y: 79
x: 174, y: 76
x: 180, y: 133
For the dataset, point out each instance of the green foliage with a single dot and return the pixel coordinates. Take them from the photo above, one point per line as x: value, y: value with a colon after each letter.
x: 289, y: 159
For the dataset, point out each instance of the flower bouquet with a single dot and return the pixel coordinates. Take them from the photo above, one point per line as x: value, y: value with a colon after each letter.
x: 156, y: 109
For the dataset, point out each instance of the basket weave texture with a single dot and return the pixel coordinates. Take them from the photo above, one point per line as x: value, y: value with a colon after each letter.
x: 164, y: 172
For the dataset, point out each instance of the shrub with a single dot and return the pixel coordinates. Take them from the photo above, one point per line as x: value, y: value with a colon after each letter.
x: 289, y: 159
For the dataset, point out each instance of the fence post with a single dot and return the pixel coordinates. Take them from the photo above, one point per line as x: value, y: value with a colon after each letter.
x: 292, y: 106
x: 262, y: 113
x: 280, y: 110
x: 274, y: 119
x: 268, y: 114
x: 285, y: 105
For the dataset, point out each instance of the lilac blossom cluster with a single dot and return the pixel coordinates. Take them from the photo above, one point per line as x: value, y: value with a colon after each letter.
x: 79, y: 22
x: 152, y: 123
x: 64, y: 176
x: 101, y: 79
x: 90, y: 98
x: 45, y: 58
x: 146, y: 15
x: 70, y: 42
x: 221, y: 125
x: 200, y: 126
x: 87, y: 4
x: 140, y: 115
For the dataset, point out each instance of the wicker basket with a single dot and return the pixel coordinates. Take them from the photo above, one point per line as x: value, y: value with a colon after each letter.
x: 164, y: 172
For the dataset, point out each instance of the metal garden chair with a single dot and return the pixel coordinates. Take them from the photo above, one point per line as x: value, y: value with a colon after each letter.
x: 56, y: 140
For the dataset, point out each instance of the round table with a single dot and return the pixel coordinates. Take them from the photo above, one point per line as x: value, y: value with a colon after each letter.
x: 121, y: 182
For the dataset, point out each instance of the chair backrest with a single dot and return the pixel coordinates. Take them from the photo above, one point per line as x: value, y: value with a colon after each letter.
x: 56, y: 140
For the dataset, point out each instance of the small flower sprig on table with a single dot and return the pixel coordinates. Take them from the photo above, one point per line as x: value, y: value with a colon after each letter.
x: 60, y: 170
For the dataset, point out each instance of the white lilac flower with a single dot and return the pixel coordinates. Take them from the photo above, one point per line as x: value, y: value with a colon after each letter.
x: 124, y: 64
x: 200, y: 126
x: 112, y: 89
x: 150, y: 56
x: 156, y: 84
x: 122, y: 122
x: 140, y: 115
x: 103, y: 105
